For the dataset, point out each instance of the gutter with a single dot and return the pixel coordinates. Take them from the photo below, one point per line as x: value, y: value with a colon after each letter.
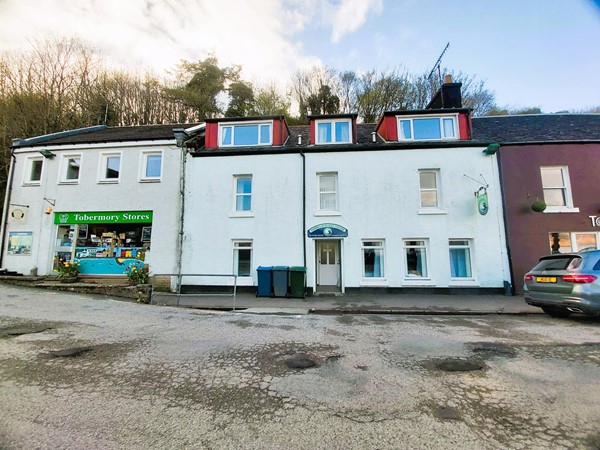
x: 303, y: 205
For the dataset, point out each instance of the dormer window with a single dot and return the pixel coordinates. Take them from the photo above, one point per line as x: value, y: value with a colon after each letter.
x: 420, y: 128
x: 245, y: 134
x: 336, y: 131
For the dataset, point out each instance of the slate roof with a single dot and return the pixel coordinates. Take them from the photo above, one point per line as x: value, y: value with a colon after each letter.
x: 519, y: 129
x: 537, y: 128
x: 97, y: 135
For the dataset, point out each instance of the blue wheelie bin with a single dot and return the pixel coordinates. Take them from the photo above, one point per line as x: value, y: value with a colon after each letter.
x: 265, y: 281
x: 280, y: 281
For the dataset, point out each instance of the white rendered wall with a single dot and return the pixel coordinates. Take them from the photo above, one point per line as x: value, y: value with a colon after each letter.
x: 378, y: 195
x: 88, y: 195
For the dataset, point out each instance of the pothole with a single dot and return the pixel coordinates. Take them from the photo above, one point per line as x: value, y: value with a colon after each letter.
x: 490, y: 349
x: 70, y: 352
x: 456, y: 365
x: 300, y: 361
x: 446, y: 413
x: 22, y: 330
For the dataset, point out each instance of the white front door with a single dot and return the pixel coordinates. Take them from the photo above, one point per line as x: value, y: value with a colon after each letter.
x: 328, y: 259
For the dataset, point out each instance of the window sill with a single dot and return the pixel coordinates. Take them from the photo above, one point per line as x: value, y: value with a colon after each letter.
x: 327, y: 213
x: 417, y: 282
x: 238, y: 215
x: 69, y: 182
x: 32, y: 183
x: 150, y: 180
x: 431, y: 211
x: 382, y: 282
x: 560, y: 209
x: 108, y: 181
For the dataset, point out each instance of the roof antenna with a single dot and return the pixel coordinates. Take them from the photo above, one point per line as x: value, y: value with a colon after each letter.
x: 437, y: 67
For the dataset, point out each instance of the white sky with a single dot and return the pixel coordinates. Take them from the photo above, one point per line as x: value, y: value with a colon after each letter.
x: 531, y: 53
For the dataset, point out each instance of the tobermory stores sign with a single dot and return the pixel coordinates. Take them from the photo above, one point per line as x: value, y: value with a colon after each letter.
x: 72, y: 218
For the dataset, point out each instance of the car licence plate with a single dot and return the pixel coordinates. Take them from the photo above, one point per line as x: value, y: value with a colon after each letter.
x: 545, y: 279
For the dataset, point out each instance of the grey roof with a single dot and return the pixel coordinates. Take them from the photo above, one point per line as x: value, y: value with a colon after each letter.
x: 537, y: 128
x: 95, y: 135
x: 500, y: 129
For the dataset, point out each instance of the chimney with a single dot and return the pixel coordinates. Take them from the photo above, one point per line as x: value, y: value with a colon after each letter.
x: 448, y: 96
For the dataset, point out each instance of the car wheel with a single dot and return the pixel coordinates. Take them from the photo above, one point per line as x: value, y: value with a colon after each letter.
x: 556, y: 312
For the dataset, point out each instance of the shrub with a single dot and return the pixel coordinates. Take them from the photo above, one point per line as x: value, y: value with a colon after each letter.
x: 136, y: 275
x: 67, y: 269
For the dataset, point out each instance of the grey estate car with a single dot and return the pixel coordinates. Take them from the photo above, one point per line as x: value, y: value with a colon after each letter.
x: 566, y: 283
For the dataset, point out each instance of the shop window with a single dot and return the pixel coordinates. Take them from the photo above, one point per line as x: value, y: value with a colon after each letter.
x: 566, y: 242
x: 327, y: 192
x: 151, y: 166
x: 415, y: 252
x: 33, y: 171
x: 427, y: 128
x: 429, y: 188
x: 243, y: 193
x: 242, y: 258
x: 71, y: 166
x: 333, y: 131
x: 240, y: 135
x: 373, y: 266
x: 110, y: 167
x: 557, y: 189
x: 460, y: 258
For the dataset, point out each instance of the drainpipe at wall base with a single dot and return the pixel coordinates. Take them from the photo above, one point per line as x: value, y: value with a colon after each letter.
x: 181, y: 218
x: 9, y: 182
x: 304, y: 205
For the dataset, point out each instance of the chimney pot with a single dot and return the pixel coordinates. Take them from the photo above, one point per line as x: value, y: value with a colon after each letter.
x: 448, y: 79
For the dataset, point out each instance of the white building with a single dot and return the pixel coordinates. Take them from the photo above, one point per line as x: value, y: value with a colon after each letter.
x: 399, y: 204
x: 106, y: 196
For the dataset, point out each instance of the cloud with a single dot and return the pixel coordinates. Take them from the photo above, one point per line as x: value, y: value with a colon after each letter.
x: 256, y: 34
x: 350, y: 15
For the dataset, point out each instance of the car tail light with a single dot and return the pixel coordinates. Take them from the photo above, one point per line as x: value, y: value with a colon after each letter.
x: 528, y: 277
x: 583, y: 279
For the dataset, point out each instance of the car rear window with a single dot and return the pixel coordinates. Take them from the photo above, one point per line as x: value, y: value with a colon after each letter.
x: 567, y: 262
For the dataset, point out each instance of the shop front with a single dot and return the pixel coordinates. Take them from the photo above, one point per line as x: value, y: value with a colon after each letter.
x: 103, y: 242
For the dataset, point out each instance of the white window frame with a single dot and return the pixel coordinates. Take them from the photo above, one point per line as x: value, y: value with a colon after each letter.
x: 333, y: 137
x: 64, y: 165
x: 568, y: 207
x: 462, y: 243
x: 143, y: 178
x: 443, y: 137
x: 103, y: 167
x: 241, y: 244
x: 405, y: 247
x: 379, y: 244
x: 437, y: 209
x: 335, y: 209
x: 28, y: 171
x: 242, y: 212
x: 233, y: 125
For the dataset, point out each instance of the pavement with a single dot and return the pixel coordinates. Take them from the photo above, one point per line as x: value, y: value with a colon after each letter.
x: 385, y: 303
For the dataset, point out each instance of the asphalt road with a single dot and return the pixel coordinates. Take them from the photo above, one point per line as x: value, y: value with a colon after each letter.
x: 87, y: 372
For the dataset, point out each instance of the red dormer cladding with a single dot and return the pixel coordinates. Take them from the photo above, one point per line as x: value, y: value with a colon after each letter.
x: 387, y: 125
x: 277, y: 134
x: 335, y: 129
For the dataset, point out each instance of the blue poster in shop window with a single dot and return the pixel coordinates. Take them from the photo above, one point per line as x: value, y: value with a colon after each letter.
x: 482, y: 204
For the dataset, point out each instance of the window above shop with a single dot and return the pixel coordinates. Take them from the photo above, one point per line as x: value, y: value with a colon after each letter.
x: 420, y: 128
x: 33, y: 171
x: 109, y: 168
x: 70, y: 169
x: 557, y: 189
x: 151, y: 167
x: 245, y: 134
